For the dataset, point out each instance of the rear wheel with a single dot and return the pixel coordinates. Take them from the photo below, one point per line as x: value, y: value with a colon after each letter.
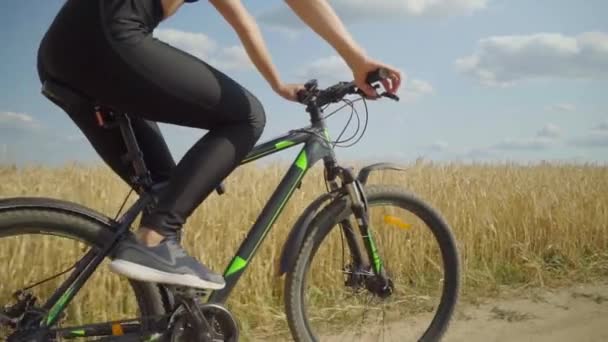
x: 39, y: 242
x: 329, y: 298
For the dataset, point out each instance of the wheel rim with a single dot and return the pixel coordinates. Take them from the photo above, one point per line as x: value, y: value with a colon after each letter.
x: 412, y: 258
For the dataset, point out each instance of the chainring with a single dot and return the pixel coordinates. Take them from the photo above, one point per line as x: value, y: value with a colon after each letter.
x: 223, y: 323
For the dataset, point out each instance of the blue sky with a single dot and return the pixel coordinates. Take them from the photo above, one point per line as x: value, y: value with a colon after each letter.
x: 488, y: 80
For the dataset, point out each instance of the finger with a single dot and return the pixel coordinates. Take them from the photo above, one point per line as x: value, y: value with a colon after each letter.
x: 387, y: 84
x: 369, y: 91
x: 396, y: 77
x: 396, y: 83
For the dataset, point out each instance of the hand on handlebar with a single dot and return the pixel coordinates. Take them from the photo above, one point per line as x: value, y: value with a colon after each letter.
x: 362, y: 70
x: 289, y: 91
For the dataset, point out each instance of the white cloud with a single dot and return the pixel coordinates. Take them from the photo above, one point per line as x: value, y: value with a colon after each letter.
x: 414, y: 89
x: 196, y: 44
x: 506, y: 60
x: 20, y: 121
x: 332, y: 69
x: 377, y: 11
x: 550, y: 131
x: 232, y: 58
x: 561, y: 107
x: 327, y: 70
x: 205, y: 48
x: 12, y: 116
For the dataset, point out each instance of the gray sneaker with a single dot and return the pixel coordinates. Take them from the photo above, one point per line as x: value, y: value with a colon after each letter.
x: 166, y: 263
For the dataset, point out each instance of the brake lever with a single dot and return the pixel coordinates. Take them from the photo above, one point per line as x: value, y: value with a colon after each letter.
x: 384, y: 94
x: 364, y: 95
x: 390, y: 96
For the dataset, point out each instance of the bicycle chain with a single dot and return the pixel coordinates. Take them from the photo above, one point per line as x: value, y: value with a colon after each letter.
x: 32, y: 329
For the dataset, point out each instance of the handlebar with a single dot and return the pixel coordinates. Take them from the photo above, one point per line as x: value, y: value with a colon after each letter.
x: 318, y: 97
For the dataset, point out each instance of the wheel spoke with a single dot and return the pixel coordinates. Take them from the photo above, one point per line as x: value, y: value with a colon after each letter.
x: 38, y: 246
x: 340, y: 301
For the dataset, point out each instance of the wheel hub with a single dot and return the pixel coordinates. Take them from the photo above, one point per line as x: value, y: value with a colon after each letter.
x: 23, y: 318
x: 362, y: 277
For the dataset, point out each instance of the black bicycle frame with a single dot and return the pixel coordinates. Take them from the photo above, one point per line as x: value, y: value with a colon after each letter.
x: 316, y: 147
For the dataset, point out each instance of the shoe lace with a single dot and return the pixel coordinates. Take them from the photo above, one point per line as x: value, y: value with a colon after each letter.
x: 176, y: 248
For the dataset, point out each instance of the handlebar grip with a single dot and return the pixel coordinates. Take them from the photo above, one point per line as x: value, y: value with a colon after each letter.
x: 301, y: 94
x: 378, y: 75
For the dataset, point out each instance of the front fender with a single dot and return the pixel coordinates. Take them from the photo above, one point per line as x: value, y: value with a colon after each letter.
x: 300, y: 228
x: 365, y: 172
x: 298, y: 233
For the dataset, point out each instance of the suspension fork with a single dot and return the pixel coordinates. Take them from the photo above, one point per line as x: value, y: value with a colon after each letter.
x: 359, y: 259
x: 355, y: 191
x: 332, y: 172
x: 360, y: 210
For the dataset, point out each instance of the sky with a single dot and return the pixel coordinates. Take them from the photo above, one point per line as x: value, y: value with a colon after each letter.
x: 486, y: 80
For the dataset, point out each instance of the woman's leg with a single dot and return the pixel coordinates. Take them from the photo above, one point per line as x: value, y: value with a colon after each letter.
x: 109, y: 143
x: 110, y: 146
x: 154, y: 81
x: 186, y: 91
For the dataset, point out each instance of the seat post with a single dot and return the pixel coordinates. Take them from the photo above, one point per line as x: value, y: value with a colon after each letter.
x: 67, y: 97
x: 134, y: 155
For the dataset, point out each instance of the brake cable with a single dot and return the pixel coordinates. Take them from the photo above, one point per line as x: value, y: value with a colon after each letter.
x: 350, y: 118
x: 364, y: 126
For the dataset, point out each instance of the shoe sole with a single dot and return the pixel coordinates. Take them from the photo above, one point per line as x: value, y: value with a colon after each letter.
x: 143, y: 273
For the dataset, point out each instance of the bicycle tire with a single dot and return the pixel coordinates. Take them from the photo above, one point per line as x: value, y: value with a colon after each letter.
x: 42, y: 216
x: 327, y: 219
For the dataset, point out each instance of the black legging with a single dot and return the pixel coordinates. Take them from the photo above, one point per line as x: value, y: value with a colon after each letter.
x: 104, y: 48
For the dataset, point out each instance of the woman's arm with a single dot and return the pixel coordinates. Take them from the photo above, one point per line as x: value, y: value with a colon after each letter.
x: 249, y: 33
x: 319, y: 16
x: 323, y: 20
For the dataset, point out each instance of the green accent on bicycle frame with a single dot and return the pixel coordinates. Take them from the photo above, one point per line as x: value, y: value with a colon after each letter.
x: 302, y: 161
x: 154, y: 337
x: 59, y: 306
x: 237, y: 264
x: 375, y: 256
x: 326, y: 131
x: 283, y: 144
x: 259, y: 155
x: 79, y: 332
x: 289, y: 193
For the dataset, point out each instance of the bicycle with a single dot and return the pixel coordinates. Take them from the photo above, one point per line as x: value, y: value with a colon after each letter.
x: 170, y: 313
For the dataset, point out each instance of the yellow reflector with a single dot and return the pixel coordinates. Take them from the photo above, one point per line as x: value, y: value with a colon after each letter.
x: 117, y: 329
x: 395, y: 221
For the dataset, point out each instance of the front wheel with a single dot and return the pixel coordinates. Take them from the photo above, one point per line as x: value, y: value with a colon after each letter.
x: 331, y: 297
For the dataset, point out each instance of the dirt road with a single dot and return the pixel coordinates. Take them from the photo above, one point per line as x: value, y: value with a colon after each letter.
x: 578, y: 314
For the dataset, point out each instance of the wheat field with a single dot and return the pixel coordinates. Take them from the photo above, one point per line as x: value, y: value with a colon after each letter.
x: 516, y: 226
